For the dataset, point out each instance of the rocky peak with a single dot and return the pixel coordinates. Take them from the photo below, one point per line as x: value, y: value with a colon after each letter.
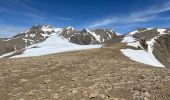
x: 70, y: 28
x: 161, y: 49
x: 40, y: 33
x: 35, y: 34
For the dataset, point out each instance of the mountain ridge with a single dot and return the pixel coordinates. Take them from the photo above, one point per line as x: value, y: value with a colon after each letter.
x: 152, y: 42
x: 40, y: 33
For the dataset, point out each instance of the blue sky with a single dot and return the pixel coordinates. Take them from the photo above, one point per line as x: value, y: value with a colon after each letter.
x: 120, y: 15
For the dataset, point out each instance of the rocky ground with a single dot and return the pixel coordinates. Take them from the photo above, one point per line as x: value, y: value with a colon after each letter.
x: 99, y: 74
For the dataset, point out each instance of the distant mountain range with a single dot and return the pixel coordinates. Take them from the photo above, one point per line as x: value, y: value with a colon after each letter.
x: 40, y: 33
x: 153, y: 43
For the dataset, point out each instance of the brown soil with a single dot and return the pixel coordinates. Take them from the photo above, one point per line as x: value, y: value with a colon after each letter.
x: 98, y: 74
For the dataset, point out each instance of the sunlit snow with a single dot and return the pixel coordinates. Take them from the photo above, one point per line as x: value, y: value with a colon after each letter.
x: 54, y: 44
x: 128, y: 39
x: 142, y: 57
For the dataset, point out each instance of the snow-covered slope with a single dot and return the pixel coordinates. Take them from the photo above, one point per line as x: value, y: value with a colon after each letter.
x: 128, y: 39
x: 142, y: 57
x: 40, y: 33
x: 152, y: 41
x: 144, y: 54
x: 54, y: 44
x: 35, y: 34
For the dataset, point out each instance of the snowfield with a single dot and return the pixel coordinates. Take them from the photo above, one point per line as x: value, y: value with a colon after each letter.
x: 142, y: 57
x: 128, y: 39
x: 54, y: 44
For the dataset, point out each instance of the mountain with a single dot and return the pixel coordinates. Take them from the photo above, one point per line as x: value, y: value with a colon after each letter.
x: 116, y: 68
x: 155, y: 43
x: 40, y: 33
x: 87, y: 36
x: 147, y: 45
x: 53, y: 44
x: 34, y: 35
x: 96, y: 74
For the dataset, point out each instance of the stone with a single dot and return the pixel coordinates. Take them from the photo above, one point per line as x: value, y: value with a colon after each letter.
x: 93, y: 95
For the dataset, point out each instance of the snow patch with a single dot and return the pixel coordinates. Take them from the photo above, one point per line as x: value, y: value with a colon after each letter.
x: 26, y: 40
x: 142, y: 57
x: 161, y: 31
x: 32, y: 35
x: 97, y: 37
x: 128, y: 39
x: 46, y: 29
x: 109, y: 36
x: 151, y: 44
x: 54, y: 44
x: 72, y: 28
x: 7, y: 54
x: 118, y: 34
x: 150, y: 28
x: 134, y: 32
x: 50, y: 29
x: 152, y: 41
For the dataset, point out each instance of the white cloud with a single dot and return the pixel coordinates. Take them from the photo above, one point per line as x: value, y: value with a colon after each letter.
x: 63, y: 18
x: 14, y: 7
x: 120, y: 20
x: 135, y: 17
x: 103, y: 22
x: 141, y: 19
x: 18, y: 4
x: 152, y: 10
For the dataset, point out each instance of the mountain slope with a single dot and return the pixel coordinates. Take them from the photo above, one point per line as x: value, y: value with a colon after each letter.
x: 54, y: 44
x: 97, y: 74
x: 34, y: 35
x: 86, y: 36
x: 40, y: 33
x: 153, y: 42
x: 150, y: 46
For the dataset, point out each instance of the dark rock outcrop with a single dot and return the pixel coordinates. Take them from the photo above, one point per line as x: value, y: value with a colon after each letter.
x: 146, y: 34
x: 143, y: 44
x: 85, y: 36
x: 161, y: 43
x: 162, y: 49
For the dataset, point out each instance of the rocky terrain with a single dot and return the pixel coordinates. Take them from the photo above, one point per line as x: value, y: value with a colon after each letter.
x: 134, y: 66
x: 162, y: 49
x: 87, y: 36
x: 98, y: 74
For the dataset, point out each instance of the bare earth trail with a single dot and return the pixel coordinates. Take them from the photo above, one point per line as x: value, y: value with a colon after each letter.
x: 98, y: 74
